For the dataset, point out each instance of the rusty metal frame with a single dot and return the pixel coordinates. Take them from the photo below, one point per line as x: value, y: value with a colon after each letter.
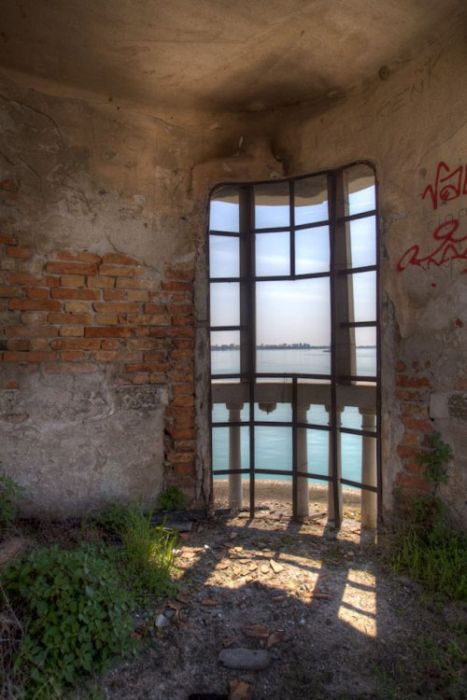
x: 247, y: 280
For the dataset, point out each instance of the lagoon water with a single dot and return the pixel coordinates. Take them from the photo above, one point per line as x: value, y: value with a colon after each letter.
x: 273, y: 444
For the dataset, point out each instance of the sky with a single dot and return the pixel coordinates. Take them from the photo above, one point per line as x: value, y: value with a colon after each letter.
x: 291, y: 311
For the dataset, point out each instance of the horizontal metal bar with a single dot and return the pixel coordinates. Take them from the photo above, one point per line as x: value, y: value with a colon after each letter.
x: 356, y: 378
x: 286, y: 278
x: 295, y: 227
x: 226, y: 328
x: 291, y: 375
x: 311, y: 475
x: 355, y: 217
x: 355, y: 431
x: 219, y: 472
x: 356, y: 270
x: 230, y: 234
x: 280, y: 472
x: 364, y: 487
x: 229, y: 376
x: 221, y: 280
x: 284, y: 424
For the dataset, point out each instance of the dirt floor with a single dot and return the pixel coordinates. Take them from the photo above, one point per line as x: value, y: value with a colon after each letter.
x: 334, y: 621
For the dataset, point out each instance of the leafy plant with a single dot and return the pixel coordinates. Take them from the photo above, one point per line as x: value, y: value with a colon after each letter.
x: 427, y: 547
x: 75, y: 612
x: 10, y: 494
x: 113, y: 519
x: 172, y: 498
x: 148, y: 552
x: 436, y: 460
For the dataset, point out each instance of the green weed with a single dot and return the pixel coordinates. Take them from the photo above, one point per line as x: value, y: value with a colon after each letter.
x: 172, y: 498
x: 10, y: 494
x: 148, y: 553
x: 76, y: 616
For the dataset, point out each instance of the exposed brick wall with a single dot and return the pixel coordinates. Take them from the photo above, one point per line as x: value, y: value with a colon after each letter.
x: 73, y: 311
x: 413, y: 388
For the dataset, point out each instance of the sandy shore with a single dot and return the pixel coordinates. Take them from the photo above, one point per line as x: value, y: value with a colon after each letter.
x: 281, y: 492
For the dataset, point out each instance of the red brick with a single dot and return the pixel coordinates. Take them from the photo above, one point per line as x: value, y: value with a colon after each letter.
x: 178, y: 434
x: 70, y: 368
x: 18, y: 252
x: 182, y: 320
x: 407, y: 452
x: 173, y: 332
x: 10, y: 292
x: 400, y: 366
x: 140, y: 378
x: 411, y: 482
x: 37, y: 293
x: 117, y: 308
x: 183, y: 344
x: 98, y: 282
x: 187, y: 445
x: 72, y: 331
x: 181, y: 355
x: 182, y: 389
x: 119, y: 271
x: 106, y: 319
x: 6, y: 239
x: 184, y: 469
x: 22, y: 344
x: 110, y: 344
x: 155, y: 308
x: 71, y: 319
x: 176, y: 286
x: 31, y: 331
x: 25, y: 278
x: 72, y: 280
x: 50, y: 281
x: 70, y: 268
x: 72, y: 355
x: 74, y: 256
x: 415, y: 382
x: 183, y: 401
x: 76, y: 307
x: 117, y: 356
x: 180, y: 309
x: 183, y: 274
x: 115, y: 294
x: 107, y: 332
x: 119, y: 259
x: 148, y: 319
x: 424, y: 426
x: 28, y: 356
x: 82, y: 294
x: 128, y: 283
x: 75, y: 344
x: 39, y: 344
x: 139, y: 367
x: 34, y: 305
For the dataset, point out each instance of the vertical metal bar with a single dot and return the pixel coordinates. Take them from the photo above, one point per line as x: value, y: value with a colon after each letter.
x: 332, y: 194
x: 292, y: 226
x: 379, y: 456
x: 294, y: 449
x: 247, y: 231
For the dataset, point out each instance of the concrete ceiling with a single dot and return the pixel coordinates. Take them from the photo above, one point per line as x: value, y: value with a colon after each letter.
x: 221, y: 54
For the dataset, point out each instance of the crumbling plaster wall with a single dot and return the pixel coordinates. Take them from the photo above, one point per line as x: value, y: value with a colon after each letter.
x: 102, y: 286
x: 408, y: 123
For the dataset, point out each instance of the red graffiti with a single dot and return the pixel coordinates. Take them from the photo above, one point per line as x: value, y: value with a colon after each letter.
x: 448, y: 184
x: 448, y: 248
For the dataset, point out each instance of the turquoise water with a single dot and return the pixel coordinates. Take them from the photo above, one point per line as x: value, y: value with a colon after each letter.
x: 273, y: 444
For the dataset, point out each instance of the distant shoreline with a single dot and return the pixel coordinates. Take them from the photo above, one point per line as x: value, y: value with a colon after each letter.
x: 298, y: 346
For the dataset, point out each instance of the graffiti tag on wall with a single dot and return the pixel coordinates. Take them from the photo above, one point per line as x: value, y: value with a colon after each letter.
x: 449, y: 243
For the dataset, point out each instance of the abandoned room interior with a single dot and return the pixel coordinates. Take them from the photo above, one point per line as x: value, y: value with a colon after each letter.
x: 233, y: 296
